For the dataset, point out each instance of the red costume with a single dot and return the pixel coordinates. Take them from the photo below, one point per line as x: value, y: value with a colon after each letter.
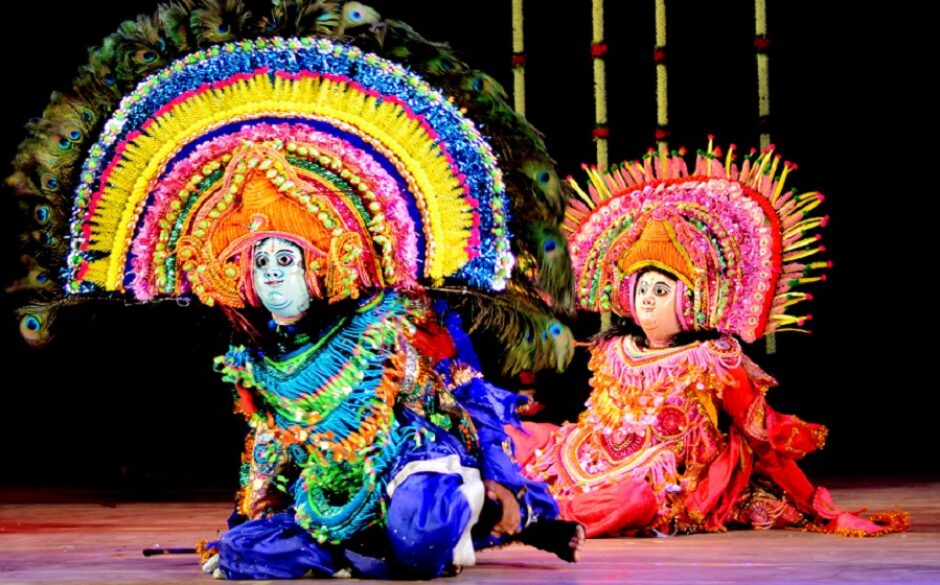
x: 650, y: 453
x: 678, y: 437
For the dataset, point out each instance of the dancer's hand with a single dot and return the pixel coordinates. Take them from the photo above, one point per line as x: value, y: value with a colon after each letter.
x: 512, y: 517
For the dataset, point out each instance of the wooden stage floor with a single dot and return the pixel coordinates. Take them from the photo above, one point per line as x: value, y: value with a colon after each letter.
x: 90, y: 538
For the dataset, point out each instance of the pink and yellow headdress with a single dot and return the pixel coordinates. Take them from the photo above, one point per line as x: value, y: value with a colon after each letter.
x: 735, y: 239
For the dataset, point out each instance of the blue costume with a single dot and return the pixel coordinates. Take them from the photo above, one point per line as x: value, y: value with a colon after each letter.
x: 369, y: 455
x: 318, y: 153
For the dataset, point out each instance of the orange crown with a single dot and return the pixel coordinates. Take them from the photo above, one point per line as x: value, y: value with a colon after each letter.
x: 657, y: 247
x: 317, y: 220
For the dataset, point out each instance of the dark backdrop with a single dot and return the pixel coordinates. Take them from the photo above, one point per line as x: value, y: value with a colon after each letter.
x: 124, y: 397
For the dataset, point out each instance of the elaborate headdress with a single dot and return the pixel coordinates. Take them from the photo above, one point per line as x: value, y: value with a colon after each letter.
x: 196, y: 132
x: 737, y: 242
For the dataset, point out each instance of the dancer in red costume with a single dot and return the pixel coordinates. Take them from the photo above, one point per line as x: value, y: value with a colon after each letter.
x: 677, y: 436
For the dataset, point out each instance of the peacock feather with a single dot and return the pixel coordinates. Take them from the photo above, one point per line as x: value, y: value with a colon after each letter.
x: 176, y: 24
x: 302, y: 17
x: 220, y: 21
x: 533, y: 338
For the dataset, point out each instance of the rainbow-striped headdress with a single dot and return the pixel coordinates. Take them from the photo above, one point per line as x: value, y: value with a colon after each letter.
x: 346, y: 142
x: 731, y: 234
x: 200, y: 129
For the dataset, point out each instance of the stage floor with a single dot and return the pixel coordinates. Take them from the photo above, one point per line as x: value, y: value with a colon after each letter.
x: 64, y: 536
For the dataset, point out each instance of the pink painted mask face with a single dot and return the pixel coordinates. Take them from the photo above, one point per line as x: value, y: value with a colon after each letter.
x: 278, y: 273
x: 655, y: 305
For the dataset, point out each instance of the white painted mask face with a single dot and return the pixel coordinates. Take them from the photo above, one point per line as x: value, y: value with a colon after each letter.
x: 278, y: 277
x: 655, y: 305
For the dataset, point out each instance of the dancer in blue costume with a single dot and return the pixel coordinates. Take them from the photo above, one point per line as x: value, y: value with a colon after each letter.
x: 373, y: 444
x: 327, y: 168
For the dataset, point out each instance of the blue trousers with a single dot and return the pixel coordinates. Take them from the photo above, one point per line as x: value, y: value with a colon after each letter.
x: 426, y: 517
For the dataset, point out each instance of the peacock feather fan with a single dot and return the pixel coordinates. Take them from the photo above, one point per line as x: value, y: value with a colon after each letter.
x: 402, y: 165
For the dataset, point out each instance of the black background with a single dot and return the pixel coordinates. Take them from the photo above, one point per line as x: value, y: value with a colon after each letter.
x: 125, y: 397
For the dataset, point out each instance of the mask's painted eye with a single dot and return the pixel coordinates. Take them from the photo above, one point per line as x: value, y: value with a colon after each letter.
x: 285, y: 260
x: 261, y: 261
x: 661, y: 290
